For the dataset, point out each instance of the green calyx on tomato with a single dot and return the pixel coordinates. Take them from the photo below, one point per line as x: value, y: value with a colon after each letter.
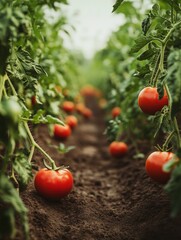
x: 149, y: 102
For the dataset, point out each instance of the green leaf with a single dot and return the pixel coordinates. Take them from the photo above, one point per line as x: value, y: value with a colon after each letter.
x: 116, y: 5
x: 10, y: 197
x: 155, y: 9
x: 23, y: 168
x: 53, y: 120
x: 146, y: 55
x: 167, y: 167
x: 140, y: 43
x: 146, y: 25
x: 64, y: 149
x: 173, y: 188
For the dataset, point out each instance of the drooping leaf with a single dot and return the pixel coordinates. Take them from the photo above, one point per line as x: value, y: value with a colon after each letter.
x: 116, y: 5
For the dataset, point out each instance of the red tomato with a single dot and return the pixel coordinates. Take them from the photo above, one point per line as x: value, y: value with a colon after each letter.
x: 154, y: 166
x: 87, y: 113
x: 53, y: 184
x: 33, y: 100
x: 149, y: 102
x: 61, y: 131
x: 118, y: 149
x: 68, y: 106
x: 71, y: 121
x: 116, y: 112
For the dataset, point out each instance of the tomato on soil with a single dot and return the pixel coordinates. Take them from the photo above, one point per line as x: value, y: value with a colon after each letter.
x: 149, y: 102
x: 71, y: 121
x: 154, y: 166
x: 61, y: 132
x: 53, y: 184
x: 68, y: 106
x: 118, y: 149
x: 116, y: 112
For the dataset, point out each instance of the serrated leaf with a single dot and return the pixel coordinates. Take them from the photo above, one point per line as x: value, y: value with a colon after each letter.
x: 23, y: 168
x: 140, y: 43
x: 116, y: 5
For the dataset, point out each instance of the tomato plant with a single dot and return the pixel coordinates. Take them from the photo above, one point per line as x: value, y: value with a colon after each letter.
x: 154, y: 166
x: 61, y: 132
x: 149, y: 101
x: 118, y: 149
x: 53, y: 184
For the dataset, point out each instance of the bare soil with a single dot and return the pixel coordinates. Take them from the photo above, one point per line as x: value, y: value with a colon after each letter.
x: 112, y: 199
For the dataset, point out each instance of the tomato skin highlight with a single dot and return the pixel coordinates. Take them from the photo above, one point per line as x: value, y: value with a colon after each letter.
x: 68, y: 106
x: 61, y: 132
x: 149, y: 102
x: 71, y: 121
x: 116, y: 112
x: 118, y: 149
x: 53, y: 184
x: 154, y: 166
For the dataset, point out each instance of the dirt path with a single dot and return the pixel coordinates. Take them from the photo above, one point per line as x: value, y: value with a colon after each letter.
x: 112, y: 199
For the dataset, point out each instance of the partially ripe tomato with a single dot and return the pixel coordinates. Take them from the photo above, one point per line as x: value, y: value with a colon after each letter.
x: 71, y: 121
x: 118, y: 149
x: 53, y: 184
x: 61, y: 132
x: 149, y: 102
x: 68, y: 106
x: 154, y: 166
x: 87, y: 113
x: 116, y: 112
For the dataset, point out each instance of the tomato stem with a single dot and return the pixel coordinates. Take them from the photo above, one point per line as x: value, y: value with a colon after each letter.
x: 35, y: 144
x: 175, y: 124
x: 2, y: 82
x: 165, y: 145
